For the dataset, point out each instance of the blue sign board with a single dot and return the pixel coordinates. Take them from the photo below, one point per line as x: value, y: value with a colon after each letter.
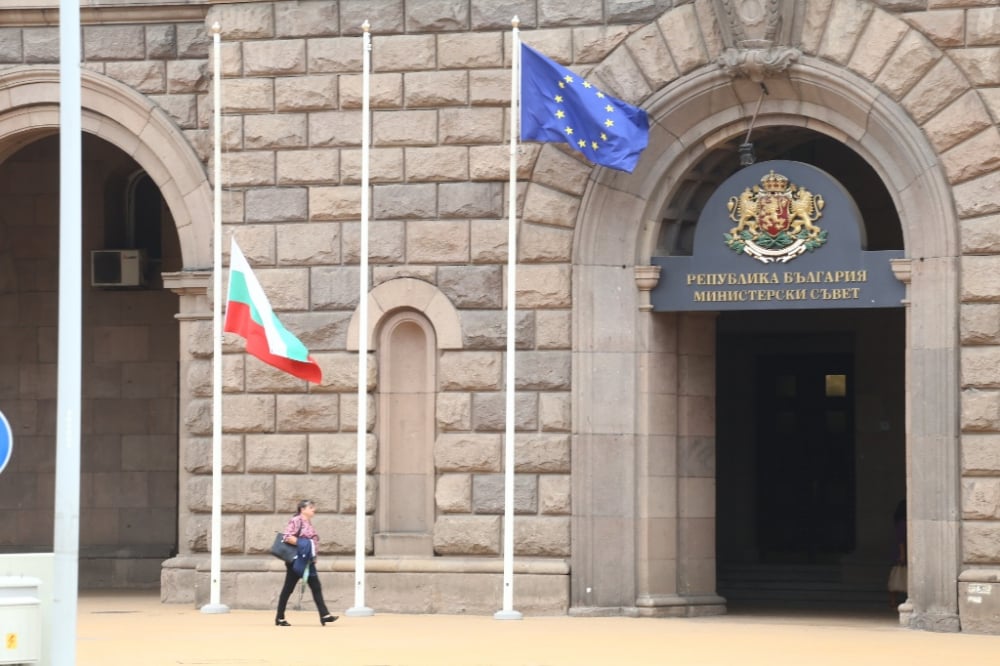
x: 6, y: 442
x: 775, y: 236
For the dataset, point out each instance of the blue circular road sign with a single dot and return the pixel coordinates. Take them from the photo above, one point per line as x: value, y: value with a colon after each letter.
x: 6, y: 442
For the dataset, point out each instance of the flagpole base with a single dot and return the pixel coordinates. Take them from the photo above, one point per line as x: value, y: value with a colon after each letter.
x: 214, y: 609
x: 362, y: 611
x: 507, y: 615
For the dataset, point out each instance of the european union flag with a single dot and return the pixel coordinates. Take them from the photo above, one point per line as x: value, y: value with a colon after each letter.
x: 558, y: 105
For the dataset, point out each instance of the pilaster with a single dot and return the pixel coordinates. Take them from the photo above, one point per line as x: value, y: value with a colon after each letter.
x: 194, y: 318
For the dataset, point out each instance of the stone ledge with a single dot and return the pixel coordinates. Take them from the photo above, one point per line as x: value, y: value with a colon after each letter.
x: 265, y: 563
x: 984, y: 575
x: 658, y: 605
x: 394, y: 585
x: 35, y: 13
x: 144, y: 551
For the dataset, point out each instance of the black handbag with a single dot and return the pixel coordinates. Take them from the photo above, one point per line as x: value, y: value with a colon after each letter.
x: 285, y: 552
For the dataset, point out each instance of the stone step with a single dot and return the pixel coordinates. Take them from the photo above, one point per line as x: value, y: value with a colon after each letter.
x: 803, y: 584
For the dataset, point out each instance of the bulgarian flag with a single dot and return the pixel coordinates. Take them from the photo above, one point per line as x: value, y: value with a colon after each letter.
x: 249, y: 314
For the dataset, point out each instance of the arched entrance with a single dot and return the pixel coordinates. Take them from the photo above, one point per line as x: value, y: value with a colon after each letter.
x: 124, y: 118
x: 144, y: 189
x: 809, y: 445
x: 129, y: 424
x: 665, y: 447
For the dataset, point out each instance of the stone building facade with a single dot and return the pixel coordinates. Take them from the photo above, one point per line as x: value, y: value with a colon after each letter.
x: 637, y: 449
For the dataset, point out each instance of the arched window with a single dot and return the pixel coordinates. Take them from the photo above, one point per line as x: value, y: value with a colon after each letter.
x: 144, y: 216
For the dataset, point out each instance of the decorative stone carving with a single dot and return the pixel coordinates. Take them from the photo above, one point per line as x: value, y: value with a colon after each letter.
x: 757, y: 64
x: 646, y: 278
x: 757, y: 35
x: 903, y: 270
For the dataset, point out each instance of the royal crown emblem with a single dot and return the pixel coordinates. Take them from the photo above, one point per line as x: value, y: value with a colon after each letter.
x: 775, y: 220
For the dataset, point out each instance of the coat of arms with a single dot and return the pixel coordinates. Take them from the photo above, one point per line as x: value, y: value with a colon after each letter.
x: 775, y: 223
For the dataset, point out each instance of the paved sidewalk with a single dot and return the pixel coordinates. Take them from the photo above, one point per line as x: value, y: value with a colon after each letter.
x: 136, y: 629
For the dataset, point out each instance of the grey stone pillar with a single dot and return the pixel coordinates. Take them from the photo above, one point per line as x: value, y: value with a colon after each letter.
x: 656, y: 491
x: 675, y: 467
x: 675, y: 460
x: 603, y: 447
x: 195, y: 320
x: 696, y: 512
x: 932, y: 464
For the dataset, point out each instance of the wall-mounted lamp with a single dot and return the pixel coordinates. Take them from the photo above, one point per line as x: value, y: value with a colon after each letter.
x: 746, y: 152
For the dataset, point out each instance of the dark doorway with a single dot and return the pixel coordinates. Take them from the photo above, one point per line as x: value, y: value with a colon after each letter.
x: 805, y: 454
x: 810, y: 456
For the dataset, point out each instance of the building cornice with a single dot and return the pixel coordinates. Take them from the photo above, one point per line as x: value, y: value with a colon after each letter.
x: 45, y: 13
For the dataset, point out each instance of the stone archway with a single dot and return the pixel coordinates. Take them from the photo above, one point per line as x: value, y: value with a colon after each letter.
x: 132, y: 123
x: 414, y: 294
x: 29, y: 108
x: 664, y: 571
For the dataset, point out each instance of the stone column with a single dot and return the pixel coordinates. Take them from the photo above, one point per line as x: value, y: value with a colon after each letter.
x: 696, y: 562
x: 675, y: 460
x: 603, y: 444
x: 932, y: 489
x: 195, y: 335
x: 656, y: 532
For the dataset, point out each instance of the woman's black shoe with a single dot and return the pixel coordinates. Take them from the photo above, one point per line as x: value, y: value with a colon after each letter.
x: 327, y: 618
x: 281, y: 622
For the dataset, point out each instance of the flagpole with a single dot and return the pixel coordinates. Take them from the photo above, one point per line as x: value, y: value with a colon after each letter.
x: 508, y: 612
x: 66, y: 525
x: 359, y: 609
x: 215, y: 605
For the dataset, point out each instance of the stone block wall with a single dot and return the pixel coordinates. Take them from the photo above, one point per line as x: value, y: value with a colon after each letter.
x: 291, y: 127
x: 291, y: 172
x: 166, y: 61
x: 967, y: 33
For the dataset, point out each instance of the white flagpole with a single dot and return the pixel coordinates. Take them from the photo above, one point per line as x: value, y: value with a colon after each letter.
x: 508, y: 612
x: 215, y: 605
x: 359, y: 609
x: 66, y: 536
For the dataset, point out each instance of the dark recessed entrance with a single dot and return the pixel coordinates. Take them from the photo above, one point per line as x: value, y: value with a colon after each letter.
x: 810, y: 408
x: 810, y: 456
x: 804, y: 408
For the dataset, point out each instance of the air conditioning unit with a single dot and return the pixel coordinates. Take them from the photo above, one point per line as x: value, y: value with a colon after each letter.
x: 117, y: 268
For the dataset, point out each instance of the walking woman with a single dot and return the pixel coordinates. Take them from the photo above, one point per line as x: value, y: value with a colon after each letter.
x: 300, y: 533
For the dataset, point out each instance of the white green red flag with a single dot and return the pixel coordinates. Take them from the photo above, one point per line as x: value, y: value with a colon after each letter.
x: 249, y: 314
